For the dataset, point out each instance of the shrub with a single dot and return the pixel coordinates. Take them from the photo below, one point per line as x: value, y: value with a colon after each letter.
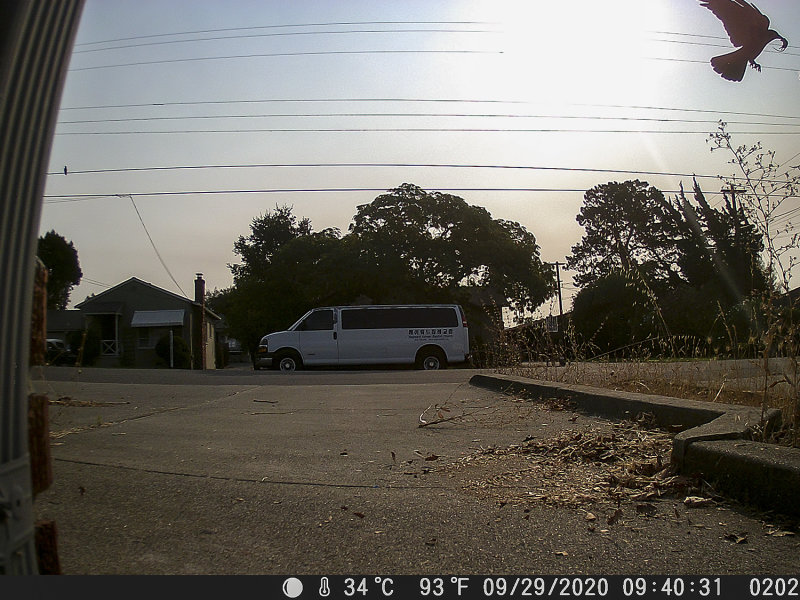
x: 182, y: 356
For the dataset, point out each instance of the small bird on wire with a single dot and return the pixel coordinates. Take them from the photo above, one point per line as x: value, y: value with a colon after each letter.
x: 748, y: 29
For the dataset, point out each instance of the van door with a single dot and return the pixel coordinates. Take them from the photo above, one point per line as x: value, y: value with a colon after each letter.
x: 317, y: 338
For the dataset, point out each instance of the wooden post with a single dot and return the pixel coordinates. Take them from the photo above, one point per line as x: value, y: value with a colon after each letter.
x: 39, y: 443
x: 38, y: 352
x: 46, y: 550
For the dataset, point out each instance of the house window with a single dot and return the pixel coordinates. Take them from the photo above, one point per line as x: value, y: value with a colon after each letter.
x: 144, y: 338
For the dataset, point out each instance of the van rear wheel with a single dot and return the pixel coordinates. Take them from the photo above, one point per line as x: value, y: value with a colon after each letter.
x: 431, y: 359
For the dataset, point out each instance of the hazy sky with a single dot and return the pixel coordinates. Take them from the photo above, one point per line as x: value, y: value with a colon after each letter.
x: 209, y: 113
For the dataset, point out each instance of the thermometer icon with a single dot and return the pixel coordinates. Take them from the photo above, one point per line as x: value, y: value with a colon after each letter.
x: 324, y: 588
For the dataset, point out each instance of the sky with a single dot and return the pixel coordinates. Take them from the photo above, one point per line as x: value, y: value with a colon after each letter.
x: 183, y: 120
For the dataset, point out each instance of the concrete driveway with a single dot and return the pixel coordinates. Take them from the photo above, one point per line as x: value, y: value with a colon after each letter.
x: 237, y: 472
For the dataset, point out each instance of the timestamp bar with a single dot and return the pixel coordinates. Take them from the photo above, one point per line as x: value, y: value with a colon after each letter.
x: 473, y: 587
x: 412, y: 587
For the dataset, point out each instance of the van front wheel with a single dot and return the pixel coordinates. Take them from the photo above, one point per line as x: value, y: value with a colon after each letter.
x: 287, y: 363
x: 431, y: 359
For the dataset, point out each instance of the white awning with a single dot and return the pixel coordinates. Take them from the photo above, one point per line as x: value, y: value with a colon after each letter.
x: 157, y: 318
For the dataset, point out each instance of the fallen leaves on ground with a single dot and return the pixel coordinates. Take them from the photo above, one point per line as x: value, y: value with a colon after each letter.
x: 578, y: 467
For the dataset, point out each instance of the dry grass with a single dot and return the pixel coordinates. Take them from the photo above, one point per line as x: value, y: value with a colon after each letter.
x: 709, y: 381
x: 740, y: 382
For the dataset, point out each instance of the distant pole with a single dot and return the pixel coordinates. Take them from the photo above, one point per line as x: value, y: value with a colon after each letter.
x: 736, y: 212
x: 732, y: 190
x: 558, y: 282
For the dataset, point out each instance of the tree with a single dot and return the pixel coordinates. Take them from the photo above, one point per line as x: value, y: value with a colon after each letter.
x: 440, y: 244
x: 267, y: 234
x: 628, y: 227
x: 681, y: 254
x: 278, y: 265
x: 63, y: 268
x: 407, y: 246
x: 720, y: 249
x: 613, y: 312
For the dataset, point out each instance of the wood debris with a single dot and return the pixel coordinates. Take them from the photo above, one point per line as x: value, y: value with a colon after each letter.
x: 579, y: 467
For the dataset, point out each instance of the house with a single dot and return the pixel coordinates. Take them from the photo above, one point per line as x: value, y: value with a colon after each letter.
x: 134, y: 315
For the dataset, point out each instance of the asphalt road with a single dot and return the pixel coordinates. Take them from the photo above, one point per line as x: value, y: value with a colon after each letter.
x: 242, y: 472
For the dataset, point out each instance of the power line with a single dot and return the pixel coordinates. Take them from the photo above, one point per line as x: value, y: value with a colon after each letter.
x: 709, y: 45
x: 350, y: 31
x: 428, y: 100
x: 281, y: 54
x: 698, y: 35
x: 331, y: 24
x: 351, y: 52
x: 61, y: 198
x: 350, y: 24
x: 420, y: 115
x: 392, y: 165
x: 95, y: 282
x: 705, y: 62
x: 56, y: 198
x: 789, y: 160
x: 284, y: 34
x: 414, y: 130
x: 356, y: 31
x: 359, y: 52
x: 152, y: 243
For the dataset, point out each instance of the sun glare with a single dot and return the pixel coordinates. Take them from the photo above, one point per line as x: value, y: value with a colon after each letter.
x: 561, y: 51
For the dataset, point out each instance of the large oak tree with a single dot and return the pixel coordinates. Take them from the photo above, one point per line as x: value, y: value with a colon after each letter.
x: 407, y: 246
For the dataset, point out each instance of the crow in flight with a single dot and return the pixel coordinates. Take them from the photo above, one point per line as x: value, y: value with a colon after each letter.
x: 748, y: 29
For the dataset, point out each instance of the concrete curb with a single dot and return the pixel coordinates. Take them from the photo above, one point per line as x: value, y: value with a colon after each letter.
x: 715, y: 439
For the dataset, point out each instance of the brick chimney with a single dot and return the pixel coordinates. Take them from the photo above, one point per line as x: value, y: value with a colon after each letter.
x: 200, y: 298
x: 200, y: 290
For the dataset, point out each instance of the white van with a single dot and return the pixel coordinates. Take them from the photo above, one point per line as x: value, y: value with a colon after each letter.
x: 430, y: 336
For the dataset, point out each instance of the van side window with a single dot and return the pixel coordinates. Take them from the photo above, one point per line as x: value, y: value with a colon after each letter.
x: 319, y: 320
x: 398, y: 318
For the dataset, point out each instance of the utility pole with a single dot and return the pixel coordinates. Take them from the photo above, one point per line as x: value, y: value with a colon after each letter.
x: 558, y: 282
x: 736, y: 224
x: 558, y: 321
x: 732, y: 191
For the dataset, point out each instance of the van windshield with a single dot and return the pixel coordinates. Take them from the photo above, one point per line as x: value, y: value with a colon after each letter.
x: 318, y: 320
x: 296, y: 324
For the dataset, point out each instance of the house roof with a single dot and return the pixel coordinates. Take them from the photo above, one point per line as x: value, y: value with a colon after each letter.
x: 157, y: 318
x: 94, y: 304
x: 101, y: 308
x: 99, y: 296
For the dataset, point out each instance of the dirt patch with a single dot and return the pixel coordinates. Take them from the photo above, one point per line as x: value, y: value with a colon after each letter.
x: 600, y: 465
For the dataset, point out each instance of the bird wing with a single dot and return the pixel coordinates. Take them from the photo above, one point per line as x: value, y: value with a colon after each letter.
x: 742, y: 20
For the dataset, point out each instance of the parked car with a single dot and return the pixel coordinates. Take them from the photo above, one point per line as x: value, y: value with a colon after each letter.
x: 58, y: 353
